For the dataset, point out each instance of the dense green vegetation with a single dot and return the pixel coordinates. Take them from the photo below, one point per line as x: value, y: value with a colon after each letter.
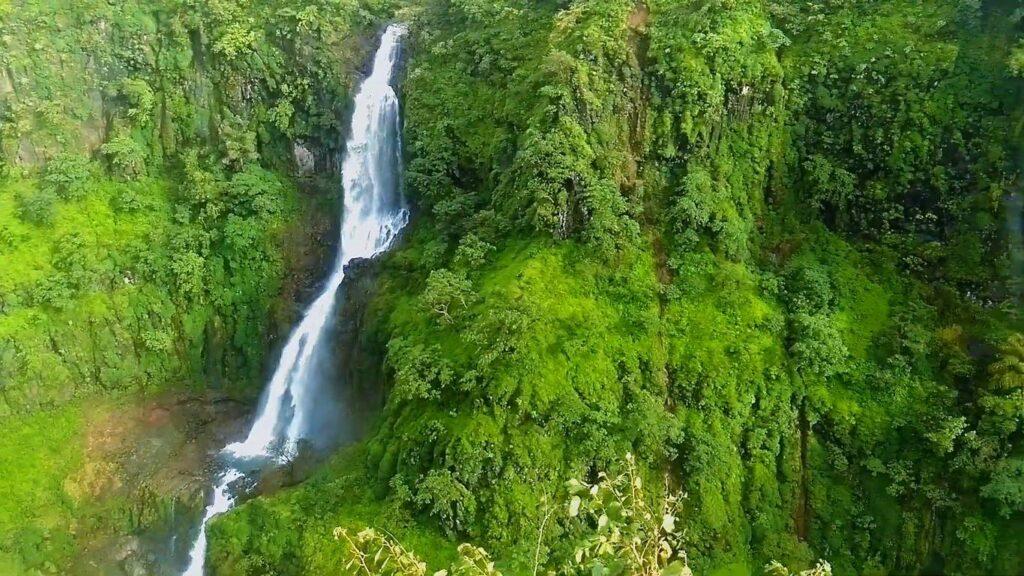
x: 763, y: 245
x: 626, y: 532
x: 148, y: 219
x: 772, y: 248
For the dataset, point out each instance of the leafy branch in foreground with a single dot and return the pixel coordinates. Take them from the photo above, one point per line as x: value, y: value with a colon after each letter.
x: 625, y: 533
x: 822, y: 568
x: 371, y: 553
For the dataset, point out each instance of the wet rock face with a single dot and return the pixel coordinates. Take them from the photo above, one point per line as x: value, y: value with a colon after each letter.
x: 310, y: 245
x: 360, y: 357
x: 301, y: 467
x: 305, y: 162
x: 147, y: 475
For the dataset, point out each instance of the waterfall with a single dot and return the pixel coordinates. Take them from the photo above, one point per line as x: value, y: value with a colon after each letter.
x: 374, y: 213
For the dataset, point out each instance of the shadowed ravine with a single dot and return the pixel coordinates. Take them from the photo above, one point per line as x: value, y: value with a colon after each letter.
x: 373, y: 214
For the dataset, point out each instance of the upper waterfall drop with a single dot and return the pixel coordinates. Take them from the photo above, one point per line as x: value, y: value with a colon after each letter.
x: 374, y: 213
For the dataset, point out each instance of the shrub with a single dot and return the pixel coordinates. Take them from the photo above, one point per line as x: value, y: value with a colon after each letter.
x: 127, y: 157
x: 126, y: 201
x: 1017, y: 60
x: 818, y: 347
x: 822, y: 568
x: 472, y: 252
x: 37, y: 207
x: 808, y: 289
x: 446, y: 292
x: 447, y: 499
x: 238, y: 142
x: 68, y: 175
x: 1007, y: 486
x: 7, y: 239
x: 189, y: 270
x: 140, y: 97
x: 254, y: 192
x: 626, y: 533
x: 370, y: 553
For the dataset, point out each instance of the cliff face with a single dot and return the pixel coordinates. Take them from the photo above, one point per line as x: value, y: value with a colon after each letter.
x: 759, y: 245
x: 769, y: 248
x: 168, y: 201
x: 152, y: 133
x: 247, y: 80
x: 360, y: 353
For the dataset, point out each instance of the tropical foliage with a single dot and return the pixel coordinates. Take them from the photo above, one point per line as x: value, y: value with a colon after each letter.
x: 771, y: 248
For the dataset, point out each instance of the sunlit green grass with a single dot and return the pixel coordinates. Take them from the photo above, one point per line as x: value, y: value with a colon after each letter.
x: 38, y: 453
x: 294, y: 530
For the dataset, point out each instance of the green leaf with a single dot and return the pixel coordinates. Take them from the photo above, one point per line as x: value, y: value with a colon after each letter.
x: 668, y: 523
x: 574, y: 506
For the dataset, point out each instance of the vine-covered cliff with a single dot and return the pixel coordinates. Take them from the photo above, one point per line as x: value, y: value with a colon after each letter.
x: 764, y: 246
x: 770, y: 248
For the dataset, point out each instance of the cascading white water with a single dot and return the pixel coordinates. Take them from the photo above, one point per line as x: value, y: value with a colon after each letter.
x: 373, y: 214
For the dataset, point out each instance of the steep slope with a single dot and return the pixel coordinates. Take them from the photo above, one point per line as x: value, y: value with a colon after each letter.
x: 166, y: 189
x: 772, y: 248
x: 750, y: 242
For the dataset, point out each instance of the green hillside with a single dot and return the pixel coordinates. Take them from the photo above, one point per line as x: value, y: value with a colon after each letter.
x: 770, y: 248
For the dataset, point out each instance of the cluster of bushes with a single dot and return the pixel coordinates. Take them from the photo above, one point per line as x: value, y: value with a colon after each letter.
x: 750, y: 242
x: 741, y: 239
x: 114, y: 269
x: 143, y: 207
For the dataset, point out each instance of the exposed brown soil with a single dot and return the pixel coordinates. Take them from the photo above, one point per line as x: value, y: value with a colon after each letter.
x: 147, y: 467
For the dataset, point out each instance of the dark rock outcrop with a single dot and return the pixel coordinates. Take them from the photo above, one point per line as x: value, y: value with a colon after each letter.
x: 360, y: 356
